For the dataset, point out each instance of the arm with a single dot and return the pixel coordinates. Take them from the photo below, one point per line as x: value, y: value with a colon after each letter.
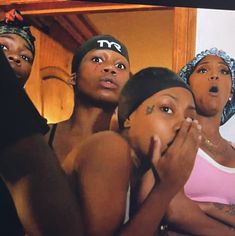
x: 103, y: 176
x: 43, y: 199
x: 222, y: 212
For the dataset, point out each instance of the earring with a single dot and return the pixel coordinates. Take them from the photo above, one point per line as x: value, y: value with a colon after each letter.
x: 230, y: 99
x: 72, y: 79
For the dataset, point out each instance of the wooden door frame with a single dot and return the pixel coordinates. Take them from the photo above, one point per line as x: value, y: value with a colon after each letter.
x: 184, y: 41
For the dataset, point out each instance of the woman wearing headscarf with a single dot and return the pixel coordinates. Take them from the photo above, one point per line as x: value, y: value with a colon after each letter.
x: 17, y: 43
x: 206, y: 206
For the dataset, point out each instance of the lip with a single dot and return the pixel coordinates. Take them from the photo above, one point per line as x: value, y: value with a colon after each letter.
x: 108, y: 83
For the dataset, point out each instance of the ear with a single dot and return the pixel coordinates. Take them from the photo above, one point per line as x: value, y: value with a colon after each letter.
x: 127, y: 123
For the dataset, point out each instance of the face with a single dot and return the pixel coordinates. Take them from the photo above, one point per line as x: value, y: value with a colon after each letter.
x: 211, y: 84
x: 102, y: 74
x: 160, y: 114
x: 18, y: 54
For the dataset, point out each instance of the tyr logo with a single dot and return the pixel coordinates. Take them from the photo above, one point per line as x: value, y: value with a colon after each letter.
x: 109, y: 44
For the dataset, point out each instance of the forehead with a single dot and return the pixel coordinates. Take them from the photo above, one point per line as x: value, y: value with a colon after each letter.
x: 105, y: 52
x: 16, y: 38
x: 178, y: 94
x: 212, y: 59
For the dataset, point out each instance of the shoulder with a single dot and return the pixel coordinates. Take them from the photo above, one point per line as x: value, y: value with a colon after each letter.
x: 107, y: 149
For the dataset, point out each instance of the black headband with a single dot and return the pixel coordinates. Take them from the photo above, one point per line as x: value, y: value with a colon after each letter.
x: 98, y: 42
x: 143, y: 85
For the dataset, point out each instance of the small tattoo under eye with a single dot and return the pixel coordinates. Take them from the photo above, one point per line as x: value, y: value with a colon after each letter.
x: 149, y: 109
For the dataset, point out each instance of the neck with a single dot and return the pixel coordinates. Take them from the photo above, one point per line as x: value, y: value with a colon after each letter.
x: 210, y: 126
x: 90, y: 119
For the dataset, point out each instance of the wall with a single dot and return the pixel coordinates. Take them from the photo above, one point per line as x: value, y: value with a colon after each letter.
x: 148, y: 35
x: 215, y: 29
x: 47, y: 85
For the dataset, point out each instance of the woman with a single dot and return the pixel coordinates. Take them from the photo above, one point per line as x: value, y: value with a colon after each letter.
x: 155, y: 113
x: 17, y: 43
x: 209, y: 195
x: 212, y: 80
x: 100, y: 68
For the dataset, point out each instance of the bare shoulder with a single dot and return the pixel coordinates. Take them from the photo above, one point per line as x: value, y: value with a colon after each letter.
x: 104, y: 148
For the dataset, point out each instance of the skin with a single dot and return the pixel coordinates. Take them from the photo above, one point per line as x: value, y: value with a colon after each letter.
x: 20, y: 58
x: 100, y: 78
x: 30, y: 169
x: 200, y: 218
x: 18, y: 54
x: 103, y: 156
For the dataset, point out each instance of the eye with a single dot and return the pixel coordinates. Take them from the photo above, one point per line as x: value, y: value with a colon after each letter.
x: 120, y: 66
x: 225, y: 71
x: 97, y: 59
x: 25, y: 58
x: 3, y: 47
x: 166, y: 109
x: 202, y: 70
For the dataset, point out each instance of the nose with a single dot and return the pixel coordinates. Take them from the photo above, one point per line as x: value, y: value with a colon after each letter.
x: 14, y: 58
x: 178, y: 122
x: 110, y: 69
x: 214, y: 76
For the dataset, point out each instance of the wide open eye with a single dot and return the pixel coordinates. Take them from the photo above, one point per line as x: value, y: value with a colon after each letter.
x: 202, y: 70
x: 97, y: 59
x: 166, y: 109
x: 120, y: 66
x: 3, y: 47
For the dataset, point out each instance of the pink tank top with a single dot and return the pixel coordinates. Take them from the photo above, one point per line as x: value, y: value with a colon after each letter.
x: 210, y: 181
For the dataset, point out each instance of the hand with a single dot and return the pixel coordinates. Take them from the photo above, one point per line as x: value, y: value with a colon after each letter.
x: 174, y: 167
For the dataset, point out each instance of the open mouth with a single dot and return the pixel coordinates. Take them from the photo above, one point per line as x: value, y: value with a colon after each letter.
x: 214, y: 89
x: 108, y: 83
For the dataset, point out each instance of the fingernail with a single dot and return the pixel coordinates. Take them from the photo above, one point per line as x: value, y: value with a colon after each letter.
x: 199, y: 127
x: 195, y: 121
x: 200, y: 137
x: 188, y: 119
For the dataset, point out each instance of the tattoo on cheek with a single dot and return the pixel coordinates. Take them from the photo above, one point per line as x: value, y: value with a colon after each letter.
x: 149, y: 109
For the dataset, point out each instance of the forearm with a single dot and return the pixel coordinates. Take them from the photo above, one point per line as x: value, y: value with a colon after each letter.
x: 147, y: 219
x: 185, y: 216
x: 43, y: 198
x: 221, y: 212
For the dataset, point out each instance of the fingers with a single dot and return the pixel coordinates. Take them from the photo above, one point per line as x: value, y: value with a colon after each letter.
x: 189, y: 134
x: 155, y: 154
x: 156, y: 149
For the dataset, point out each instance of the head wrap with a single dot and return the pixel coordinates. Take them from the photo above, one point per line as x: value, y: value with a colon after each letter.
x: 98, y: 42
x: 143, y: 85
x: 187, y: 70
x: 14, y: 24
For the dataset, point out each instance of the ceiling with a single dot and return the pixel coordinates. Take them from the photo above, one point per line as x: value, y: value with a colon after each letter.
x: 66, y: 20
